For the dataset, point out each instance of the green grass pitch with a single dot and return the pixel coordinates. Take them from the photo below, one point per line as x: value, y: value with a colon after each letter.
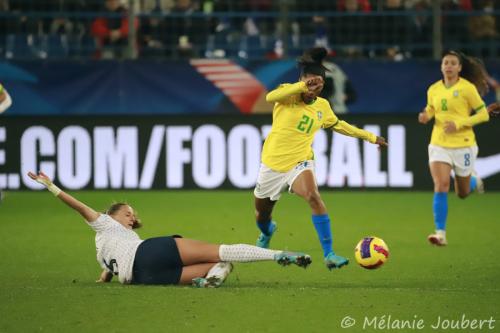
x: 48, y: 266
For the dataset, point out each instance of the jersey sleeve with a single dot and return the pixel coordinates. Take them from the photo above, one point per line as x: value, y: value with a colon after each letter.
x: 102, y: 223
x: 477, y: 104
x: 475, y: 101
x: 104, y: 267
x: 334, y: 123
x: 345, y: 128
x: 331, y: 118
x: 285, y: 91
x: 429, y: 109
x: 481, y: 116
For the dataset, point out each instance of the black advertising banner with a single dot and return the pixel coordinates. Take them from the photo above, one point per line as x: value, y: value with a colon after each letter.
x: 215, y: 152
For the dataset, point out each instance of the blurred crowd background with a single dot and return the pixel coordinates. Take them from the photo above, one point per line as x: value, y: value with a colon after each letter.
x: 247, y: 29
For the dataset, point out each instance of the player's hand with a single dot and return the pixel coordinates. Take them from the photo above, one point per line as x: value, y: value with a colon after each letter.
x: 40, y: 178
x: 423, y: 118
x: 105, y: 277
x: 494, y: 109
x: 450, y: 127
x: 381, y: 142
x: 314, y: 83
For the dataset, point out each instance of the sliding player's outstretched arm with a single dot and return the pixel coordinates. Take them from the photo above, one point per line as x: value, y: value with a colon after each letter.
x: 88, y: 213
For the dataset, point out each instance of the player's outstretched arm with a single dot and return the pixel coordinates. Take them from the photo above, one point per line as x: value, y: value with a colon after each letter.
x: 88, y: 213
x: 345, y: 128
x: 285, y: 91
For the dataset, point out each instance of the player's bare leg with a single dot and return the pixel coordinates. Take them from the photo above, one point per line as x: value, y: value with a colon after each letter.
x: 305, y: 187
x: 194, y: 252
x: 263, y: 215
x: 462, y: 186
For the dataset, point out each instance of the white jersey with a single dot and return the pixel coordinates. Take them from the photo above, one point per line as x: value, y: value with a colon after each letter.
x: 116, y: 247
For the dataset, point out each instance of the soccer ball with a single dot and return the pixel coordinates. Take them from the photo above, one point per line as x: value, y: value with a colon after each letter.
x: 371, y: 252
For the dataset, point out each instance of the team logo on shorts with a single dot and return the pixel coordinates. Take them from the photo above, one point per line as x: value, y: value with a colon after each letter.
x: 302, y: 165
x: 320, y: 114
x: 455, y: 93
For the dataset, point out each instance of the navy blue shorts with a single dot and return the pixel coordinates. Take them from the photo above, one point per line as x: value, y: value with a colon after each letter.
x: 157, y: 261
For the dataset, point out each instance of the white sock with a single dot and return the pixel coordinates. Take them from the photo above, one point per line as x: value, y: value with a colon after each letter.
x: 441, y: 233
x: 220, y: 270
x: 245, y: 253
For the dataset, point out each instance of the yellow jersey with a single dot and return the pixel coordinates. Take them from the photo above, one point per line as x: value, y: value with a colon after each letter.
x: 455, y: 104
x: 294, y: 125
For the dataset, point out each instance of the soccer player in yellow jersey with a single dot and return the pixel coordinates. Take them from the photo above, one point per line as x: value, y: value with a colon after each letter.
x: 456, y: 105
x: 288, y: 158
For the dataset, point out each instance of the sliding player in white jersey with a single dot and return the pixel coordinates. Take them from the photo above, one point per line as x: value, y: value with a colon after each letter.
x: 161, y: 260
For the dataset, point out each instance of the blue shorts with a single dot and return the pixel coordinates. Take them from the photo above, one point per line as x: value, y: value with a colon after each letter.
x: 157, y: 261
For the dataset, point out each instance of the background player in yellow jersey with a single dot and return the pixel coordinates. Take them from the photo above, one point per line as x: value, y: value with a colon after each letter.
x: 456, y: 105
x: 288, y: 158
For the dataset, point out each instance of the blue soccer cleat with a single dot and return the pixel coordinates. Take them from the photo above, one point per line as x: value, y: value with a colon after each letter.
x: 286, y: 258
x: 334, y: 261
x: 264, y: 240
x: 479, y: 183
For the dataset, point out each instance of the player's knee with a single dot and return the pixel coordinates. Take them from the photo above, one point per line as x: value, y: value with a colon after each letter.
x: 441, y: 186
x: 313, y: 198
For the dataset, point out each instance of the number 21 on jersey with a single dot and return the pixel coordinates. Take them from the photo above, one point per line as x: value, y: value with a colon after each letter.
x: 305, y: 124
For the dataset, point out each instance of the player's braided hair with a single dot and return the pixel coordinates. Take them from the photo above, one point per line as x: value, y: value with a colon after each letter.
x: 116, y: 207
x: 473, y: 70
